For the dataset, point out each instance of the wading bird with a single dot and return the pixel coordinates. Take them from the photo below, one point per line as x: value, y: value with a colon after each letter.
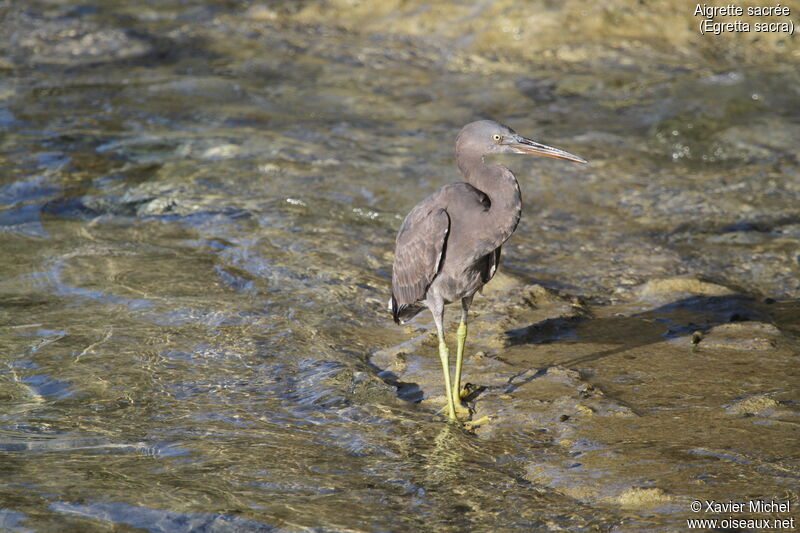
x: 448, y: 247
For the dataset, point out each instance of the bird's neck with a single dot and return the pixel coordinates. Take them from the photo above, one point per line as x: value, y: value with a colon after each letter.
x: 502, y: 188
x: 469, y: 162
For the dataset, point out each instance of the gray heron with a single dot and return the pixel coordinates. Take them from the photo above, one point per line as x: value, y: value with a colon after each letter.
x: 448, y: 247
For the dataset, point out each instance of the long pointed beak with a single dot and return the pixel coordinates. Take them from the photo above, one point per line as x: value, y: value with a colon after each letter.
x: 521, y: 145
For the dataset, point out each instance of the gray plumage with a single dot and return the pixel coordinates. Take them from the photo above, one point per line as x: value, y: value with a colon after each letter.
x: 449, y: 245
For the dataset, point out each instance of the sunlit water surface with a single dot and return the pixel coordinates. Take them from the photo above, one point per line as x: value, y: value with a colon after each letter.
x: 197, y: 213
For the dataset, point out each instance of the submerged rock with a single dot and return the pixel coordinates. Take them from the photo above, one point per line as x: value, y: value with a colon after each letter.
x: 637, y: 497
x: 672, y: 289
x: 758, y: 404
x: 744, y: 336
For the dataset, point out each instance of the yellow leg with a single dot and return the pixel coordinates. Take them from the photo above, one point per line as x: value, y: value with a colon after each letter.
x: 444, y: 356
x: 461, y: 336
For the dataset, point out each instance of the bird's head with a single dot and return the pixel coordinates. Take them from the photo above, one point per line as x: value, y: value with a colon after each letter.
x: 486, y: 137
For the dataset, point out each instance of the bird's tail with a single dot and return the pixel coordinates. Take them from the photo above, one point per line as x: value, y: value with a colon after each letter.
x: 403, y: 313
x: 394, y: 309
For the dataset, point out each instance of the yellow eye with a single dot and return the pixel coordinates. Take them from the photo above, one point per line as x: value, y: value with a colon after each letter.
x: 496, y: 137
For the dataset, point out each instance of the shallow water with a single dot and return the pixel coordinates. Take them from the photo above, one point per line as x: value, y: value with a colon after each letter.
x: 198, y: 205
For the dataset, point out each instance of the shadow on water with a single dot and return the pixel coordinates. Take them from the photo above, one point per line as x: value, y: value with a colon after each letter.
x: 693, y: 316
x: 408, y: 391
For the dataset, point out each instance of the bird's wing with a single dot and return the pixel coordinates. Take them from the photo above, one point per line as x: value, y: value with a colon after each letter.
x: 418, y: 255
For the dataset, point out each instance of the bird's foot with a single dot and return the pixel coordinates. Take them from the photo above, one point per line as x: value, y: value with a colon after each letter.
x: 462, y: 410
x: 472, y: 424
x: 467, y: 393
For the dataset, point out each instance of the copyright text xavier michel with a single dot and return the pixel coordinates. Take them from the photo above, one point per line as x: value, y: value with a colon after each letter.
x: 780, y: 514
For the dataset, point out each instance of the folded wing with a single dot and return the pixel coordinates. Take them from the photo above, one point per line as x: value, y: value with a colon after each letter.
x: 419, y: 252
